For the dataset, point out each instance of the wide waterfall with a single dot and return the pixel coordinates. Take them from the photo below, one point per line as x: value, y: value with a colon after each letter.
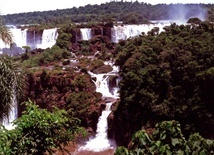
x: 100, y: 141
x: 127, y: 31
x: 23, y: 37
x: 19, y: 38
x: 49, y: 37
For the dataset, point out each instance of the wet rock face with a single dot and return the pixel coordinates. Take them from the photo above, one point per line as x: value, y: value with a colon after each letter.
x: 97, y: 31
x: 34, y: 38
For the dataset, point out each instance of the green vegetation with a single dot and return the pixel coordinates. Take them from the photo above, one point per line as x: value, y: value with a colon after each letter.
x: 5, y: 34
x: 164, y: 76
x: 11, y: 84
x: 47, y: 57
x: 167, y: 139
x: 129, y: 12
x: 171, y: 76
x: 39, y: 131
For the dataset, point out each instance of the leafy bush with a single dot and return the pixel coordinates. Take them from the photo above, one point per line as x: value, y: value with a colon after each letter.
x: 50, y: 55
x: 167, y: 139
x: 38, y: 131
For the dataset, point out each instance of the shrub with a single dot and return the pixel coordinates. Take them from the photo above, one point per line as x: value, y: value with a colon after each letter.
x: 168, y: 139
x: 39, y: 131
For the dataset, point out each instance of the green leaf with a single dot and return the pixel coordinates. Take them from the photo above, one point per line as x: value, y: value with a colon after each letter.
x: 162, y: 149
x: 202, y: 153
x: 168, y: 152
x: 180, y: 152
x: 158, y: 143
x: 175, y: 141
x: 152, y: 149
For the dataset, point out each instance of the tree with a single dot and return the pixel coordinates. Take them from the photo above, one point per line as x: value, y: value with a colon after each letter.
x: 39, y: 131
x: 166, y: 139
x: 171, y: 76
x: 5, y: 34
x: 11, y: 79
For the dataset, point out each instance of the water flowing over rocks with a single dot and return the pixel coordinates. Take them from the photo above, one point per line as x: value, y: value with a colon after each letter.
x: 37, y: 38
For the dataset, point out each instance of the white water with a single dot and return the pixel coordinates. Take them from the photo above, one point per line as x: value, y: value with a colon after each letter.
x: 49, y: 37
x: 85, y: 33
x: 13, y: 114
x: 101, y: 142
x: 19, y: 37
x: 127, y: 31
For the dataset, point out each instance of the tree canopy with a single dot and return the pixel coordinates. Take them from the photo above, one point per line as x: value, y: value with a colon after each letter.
x: 116, y: 11
x: 171, y: 76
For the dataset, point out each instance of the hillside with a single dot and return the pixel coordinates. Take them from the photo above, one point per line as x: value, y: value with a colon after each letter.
x: 129, y: 12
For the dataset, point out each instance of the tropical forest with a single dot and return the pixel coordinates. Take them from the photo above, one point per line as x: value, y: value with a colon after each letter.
x: 119, y: 78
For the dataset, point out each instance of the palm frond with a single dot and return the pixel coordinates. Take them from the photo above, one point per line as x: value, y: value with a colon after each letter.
x: 6, y: 35
x: 11, y: 84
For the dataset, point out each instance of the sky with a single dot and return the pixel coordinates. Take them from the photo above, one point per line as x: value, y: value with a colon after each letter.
x: 19, y: 6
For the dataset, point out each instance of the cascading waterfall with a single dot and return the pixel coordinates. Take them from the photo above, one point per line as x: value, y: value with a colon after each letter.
x: 126, y: 31
x: 85, y: 33
x: 49, y: 37
x: 19, y: 37
x: 13, y: 114
x: 101, y: 142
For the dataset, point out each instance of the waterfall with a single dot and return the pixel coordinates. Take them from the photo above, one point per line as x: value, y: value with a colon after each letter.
x: 23, y: 37
x: 49, y: 37
x: 126, y: 31
x: 85, y: 33
x: 101, y: 142
x: 19, y: 37
x: 13, y: 114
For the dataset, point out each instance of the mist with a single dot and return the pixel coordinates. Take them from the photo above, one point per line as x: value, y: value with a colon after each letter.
x: 183, y: 12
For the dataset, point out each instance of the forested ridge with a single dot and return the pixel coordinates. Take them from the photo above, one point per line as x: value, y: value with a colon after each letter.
x: 168, y: 76
x: 134, y: 12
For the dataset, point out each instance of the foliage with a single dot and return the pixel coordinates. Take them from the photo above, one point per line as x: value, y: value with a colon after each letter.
x: 171, y: 76
x: 134, y: 18
x: 39, y: 131
x: 78, y: 105
x: 168, y: 139
x: 110, y: 12
x: 49, y: 56
x: 64, y: 38
x: 211, y: 13
x: 194, y: 20
x: 11, y: 84
x: 5, y: 34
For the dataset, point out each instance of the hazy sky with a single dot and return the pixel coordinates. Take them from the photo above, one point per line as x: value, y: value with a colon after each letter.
x: 17, y: 6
